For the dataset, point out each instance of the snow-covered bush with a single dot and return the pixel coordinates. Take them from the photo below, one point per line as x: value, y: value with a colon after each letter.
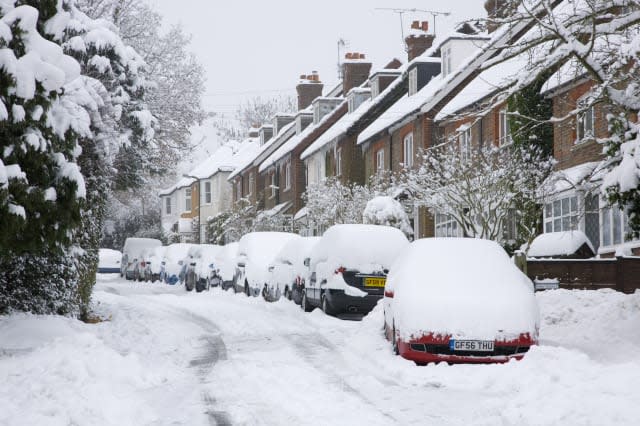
x: 384, y: 210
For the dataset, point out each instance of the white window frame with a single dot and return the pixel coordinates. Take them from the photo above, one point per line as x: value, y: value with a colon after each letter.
x: 287, y: 175
x: 206, y: 194
x: 375, y: 87
x: 585, y: 122
x: 187, y: 200
x: 562, y: 214
x: 379, y: 161
x: 167, y: 206
x: 252, y: 182
x: 609, y: 235
x: 407, y: 148
x: 413, y: 81
x: 464, y: 141
x: 339, y: 162
x: 446, y: 226
x: 504, y: 131
x: 446, y: 61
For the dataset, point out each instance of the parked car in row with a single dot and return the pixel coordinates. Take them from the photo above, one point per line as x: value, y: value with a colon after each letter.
x: 198, y: 266
x: 459, y: 300
x: 256, y: 251
x: 133, y: 260
x: 289, y: 273
x: 173, y: 261
x: 225, y: 262
x: 109, y: 261
x: 348, y: 268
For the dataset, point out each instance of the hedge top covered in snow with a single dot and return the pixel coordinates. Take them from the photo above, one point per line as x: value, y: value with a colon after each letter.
x: 558, y: 244
x: 366, y: 248
x: 464, y: 287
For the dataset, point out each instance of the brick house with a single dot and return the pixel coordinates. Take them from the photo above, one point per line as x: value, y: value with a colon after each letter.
x: 244, y: 187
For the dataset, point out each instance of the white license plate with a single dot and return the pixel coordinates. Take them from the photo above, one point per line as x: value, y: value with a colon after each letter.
x: 471, y: 345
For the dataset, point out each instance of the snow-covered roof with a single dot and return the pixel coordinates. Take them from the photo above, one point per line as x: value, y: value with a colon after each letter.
x: 272, y: 143
x: 346, y: 122
x: 573, y: 177
x: 558, y: 244
x: 220, y: 161
x: 292, y: 143
x: 182, y: 183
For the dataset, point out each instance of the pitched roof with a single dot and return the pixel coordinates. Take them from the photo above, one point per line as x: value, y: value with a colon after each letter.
x: 220, y: 161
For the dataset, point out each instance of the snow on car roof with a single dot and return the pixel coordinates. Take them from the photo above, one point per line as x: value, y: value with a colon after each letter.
x: 296, y: 250
x: 263, y: 246
x: 134, y: 246
x: 109, y: 258
x: 366, y: 248
x: 558, y: 244
x: 464, y: 287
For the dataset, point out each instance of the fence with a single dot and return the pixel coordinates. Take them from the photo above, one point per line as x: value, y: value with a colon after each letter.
x: 621, y: 273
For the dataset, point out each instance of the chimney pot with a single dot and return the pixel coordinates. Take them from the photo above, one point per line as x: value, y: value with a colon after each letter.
x: 362, y: 56
x: 425, y: 26
x: 303, y: 77
x: 415, y: 25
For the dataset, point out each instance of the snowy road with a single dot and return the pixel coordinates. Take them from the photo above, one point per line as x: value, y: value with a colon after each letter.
x: 168, y: 357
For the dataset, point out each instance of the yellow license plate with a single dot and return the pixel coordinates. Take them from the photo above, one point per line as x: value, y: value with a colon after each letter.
x: 374, y: 282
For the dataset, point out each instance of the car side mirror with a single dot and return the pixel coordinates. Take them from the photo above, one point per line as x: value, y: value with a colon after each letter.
x: 241, y: 264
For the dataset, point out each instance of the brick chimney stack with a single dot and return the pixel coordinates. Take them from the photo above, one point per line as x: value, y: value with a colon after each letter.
x: 497, y: 9
x: 309, y: 87
x: 355, y: 70
x: 419, y: 39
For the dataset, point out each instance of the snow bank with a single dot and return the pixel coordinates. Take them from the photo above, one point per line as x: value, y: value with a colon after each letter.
x: 467, y: 288
x: 366, y: 248
x: 558, y: 244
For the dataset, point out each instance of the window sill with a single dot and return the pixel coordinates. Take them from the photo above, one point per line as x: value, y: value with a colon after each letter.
x: 286, y: 189
x: 581, y: 143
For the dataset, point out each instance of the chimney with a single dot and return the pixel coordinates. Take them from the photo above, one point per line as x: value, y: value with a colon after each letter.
x: 355, y: 71
x: 496, y: 10
x: 309, y: 87
x: 419, y: 39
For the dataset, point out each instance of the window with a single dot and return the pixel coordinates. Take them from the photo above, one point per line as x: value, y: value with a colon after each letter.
x: 504, y: 129
x: 187, y: 199
x: 375, y: 87
x: 446, y: 61
x: 446, y: 226
x: 206, y: 194
x: 380, y: 161
x: 465, y: 145
x: 338, y: 161
x: 615, y: 226
x: 273, y: 184
x: 561, y: 215
x: 584, y: 127
x: 413, y: 81
x: 167, y: 204
x: 408, y: 150
x: 252, y: 182
x: 287, y: 175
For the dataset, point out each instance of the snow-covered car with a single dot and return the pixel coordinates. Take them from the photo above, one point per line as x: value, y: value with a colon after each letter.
x: 288, y: 271
x: 109, y: 261
x: 256, y: 251
x: 225, y: 263
x: 154, y: 264
x: 459, y: 300
x: 132, y: 253
x: 199, y: 267
x: 348, y: 268
x: 173, y: 261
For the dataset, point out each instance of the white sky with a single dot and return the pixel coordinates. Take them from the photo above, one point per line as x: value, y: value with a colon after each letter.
x: 260, y: 48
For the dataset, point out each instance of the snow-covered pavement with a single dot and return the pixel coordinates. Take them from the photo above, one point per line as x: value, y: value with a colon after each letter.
x: 169, y: 357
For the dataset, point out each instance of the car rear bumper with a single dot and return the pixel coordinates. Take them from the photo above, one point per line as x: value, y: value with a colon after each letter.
x: 427, y: 350
x: 341, y: 303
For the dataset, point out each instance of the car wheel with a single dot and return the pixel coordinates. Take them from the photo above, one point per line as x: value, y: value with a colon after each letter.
x: 287, y: 293
x: 396, y: 349
x: 246, y: 288
x: 304, y: 304
x: 325, y: 305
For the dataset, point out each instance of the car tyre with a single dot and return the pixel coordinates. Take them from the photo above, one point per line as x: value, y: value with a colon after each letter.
x: 287, y: 293
x: 325, y: 305
x: 304, y: 304
x: 246, y: 288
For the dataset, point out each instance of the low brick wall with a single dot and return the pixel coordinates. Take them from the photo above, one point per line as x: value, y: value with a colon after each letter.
x: 622, y: 273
